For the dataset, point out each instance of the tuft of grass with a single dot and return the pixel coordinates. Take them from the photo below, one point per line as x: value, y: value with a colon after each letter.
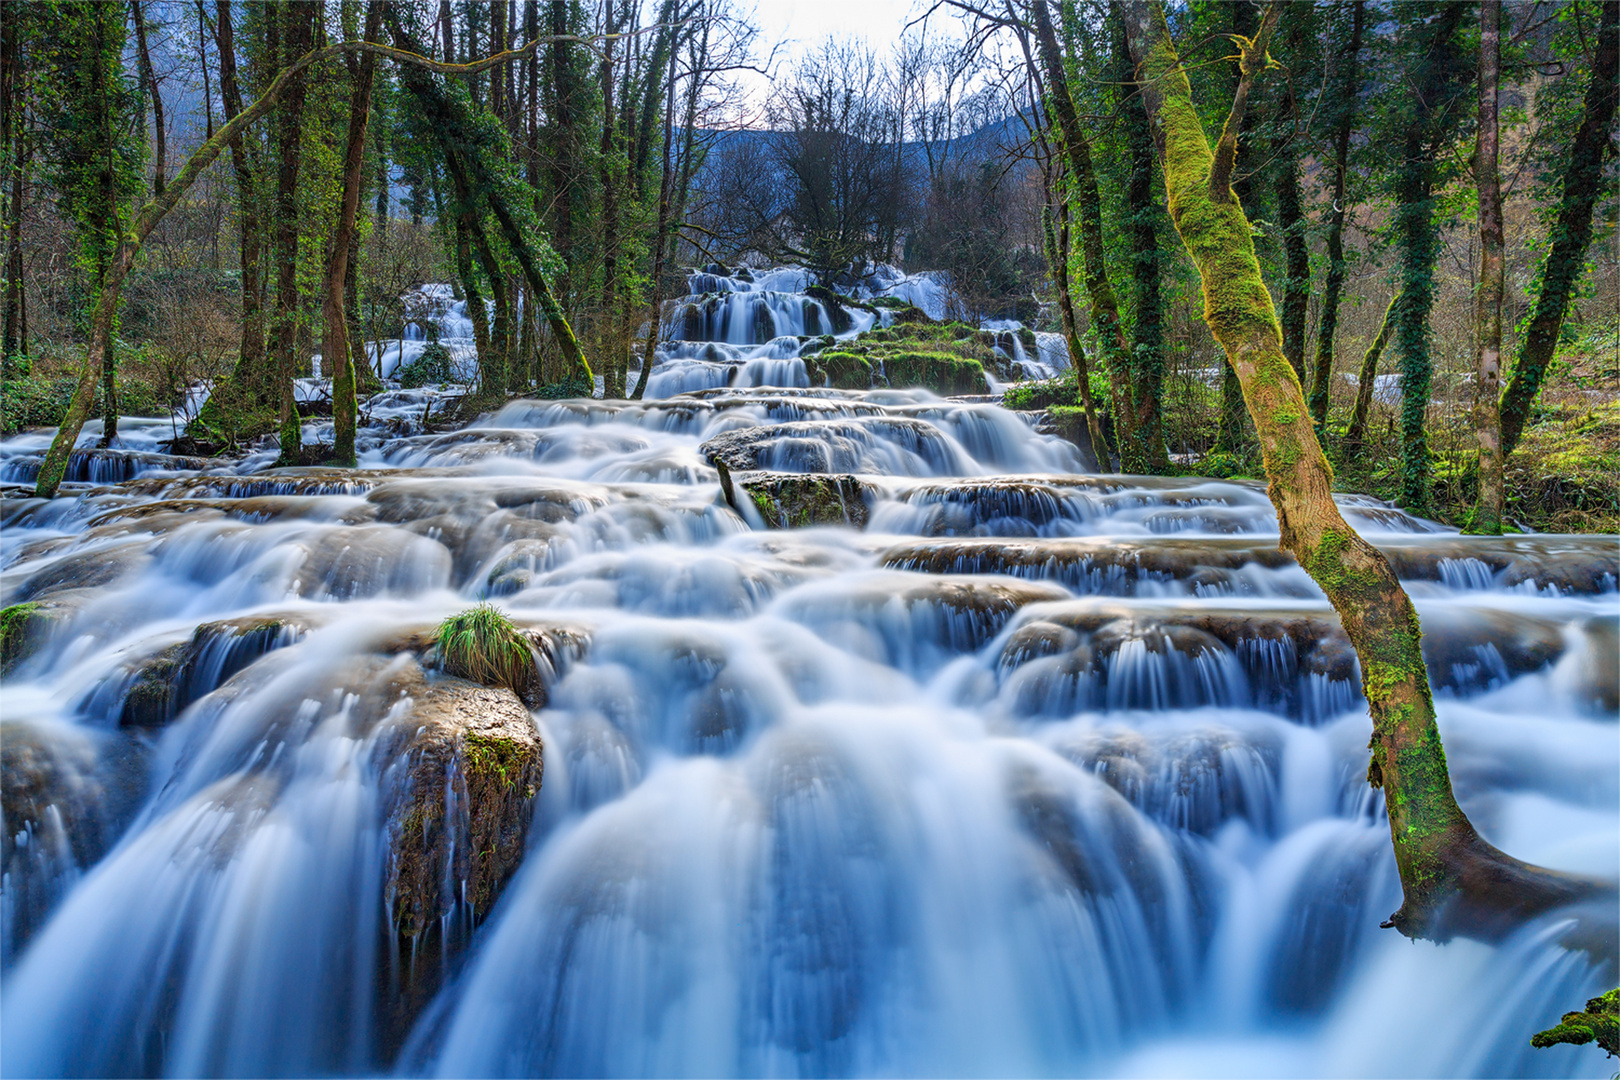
x: 483, y: 645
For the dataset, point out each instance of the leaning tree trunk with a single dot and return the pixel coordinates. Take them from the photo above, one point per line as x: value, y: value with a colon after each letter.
x: 1572, y: 232
x: 1454, y: 882
x: 1369, y: 375
x: 1488, y: 310
x: 335, y: 345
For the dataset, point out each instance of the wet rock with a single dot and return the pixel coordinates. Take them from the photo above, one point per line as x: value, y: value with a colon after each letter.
x: 97, y: 567
x: 64, y: 795
x: 464, y: 770
x: 160, y: 687
x: 797, y: 500
x: 1114, y: 567
x: 553, y: 648
x: 26, y: 628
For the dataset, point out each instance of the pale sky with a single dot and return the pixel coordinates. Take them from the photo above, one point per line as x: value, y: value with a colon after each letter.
x: 801, y: 25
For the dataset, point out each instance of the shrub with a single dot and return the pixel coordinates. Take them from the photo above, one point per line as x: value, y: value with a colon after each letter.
x: 433, y: 367
x: 483, y: 645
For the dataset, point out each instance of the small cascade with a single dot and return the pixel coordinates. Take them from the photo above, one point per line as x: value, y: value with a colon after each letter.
x: 857, y: 731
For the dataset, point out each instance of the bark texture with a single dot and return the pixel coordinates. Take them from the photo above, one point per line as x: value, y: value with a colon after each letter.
x: 1488, y: 304
x: 1454, y: 882
x: 1347, y: 86
x: 335, y: 343
x: 1572, y: 232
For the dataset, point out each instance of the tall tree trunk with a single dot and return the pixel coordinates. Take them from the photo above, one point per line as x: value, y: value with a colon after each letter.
x: 335, y: 344
x: 564, y: 141
x: 149, y: 78
x: 1571, y: 233
x: 613, y: 368
x: 1346, y: 88
x: 1147, y: 351
x: 661, y: 234
x: 1488, y: 312
x: 1454, y: 882
x: 1056, y: 235
x: 15, y: 145
x: 1417, y: 235
x: 1296, y: 254
x: 1369, y: 375
x: 251, y: 389
x: 1105, y: 320
x: 296, y: 38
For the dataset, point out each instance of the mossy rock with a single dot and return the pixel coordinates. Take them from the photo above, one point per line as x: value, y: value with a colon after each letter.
x: 904, y: 311
x: 833, y: 305
x: 843, y: 370
x: 1599, y: 1023
x: 797, y: 501
x: 1042, y: 393
x: 471, y: 761
x: 940, y: 372
x: 23, y: 628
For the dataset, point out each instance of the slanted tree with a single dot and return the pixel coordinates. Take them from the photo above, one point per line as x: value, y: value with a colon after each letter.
x: 1453, y: 881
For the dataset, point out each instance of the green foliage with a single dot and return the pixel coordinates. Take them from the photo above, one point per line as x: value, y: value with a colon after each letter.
x: 483, y: 645
x: 432, y: 368
x: 41, y: 399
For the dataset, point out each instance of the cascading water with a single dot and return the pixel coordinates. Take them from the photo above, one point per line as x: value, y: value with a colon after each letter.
x: 1026, y: 772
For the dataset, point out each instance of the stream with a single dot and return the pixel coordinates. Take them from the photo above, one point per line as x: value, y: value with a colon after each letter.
x: 1024, y: 770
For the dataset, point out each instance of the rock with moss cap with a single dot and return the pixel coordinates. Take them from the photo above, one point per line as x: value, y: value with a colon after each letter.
x: 464, y: 773
x: 1600, y: 1023
x: 800, y: 500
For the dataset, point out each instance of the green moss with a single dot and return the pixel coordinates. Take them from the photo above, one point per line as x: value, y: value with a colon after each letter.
x: 495, y: 761
x: 18, y: 624
x: 483, y: 645
x: 941, y: 372
x: 1600, y: 1023
x: 843, y: 369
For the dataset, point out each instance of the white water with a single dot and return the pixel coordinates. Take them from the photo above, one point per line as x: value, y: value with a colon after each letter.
x: 959, y: 793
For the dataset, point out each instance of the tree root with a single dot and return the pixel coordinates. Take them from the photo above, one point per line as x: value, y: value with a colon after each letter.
x: 1486, y: 894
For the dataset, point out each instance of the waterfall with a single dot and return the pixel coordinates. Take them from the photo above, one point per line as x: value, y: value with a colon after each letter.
x: 987, y: 765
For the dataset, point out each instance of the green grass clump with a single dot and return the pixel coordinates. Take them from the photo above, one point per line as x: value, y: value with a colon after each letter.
x: 432, y: 368
x: 483, y: 645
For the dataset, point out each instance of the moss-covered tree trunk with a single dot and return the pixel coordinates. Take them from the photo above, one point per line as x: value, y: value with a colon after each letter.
x: 1147, y: 329
x: 1368, y: 376
x: 1105, y: 320
x: 297, y: 33
x: 1436, y: 76
x: 1346, y: 86
x: 475, y: 156
x: 1453, y: 881
x: 250, y: 390
x: 1488, y: 303
x: 1572, y: 230
x: 335, y: 349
